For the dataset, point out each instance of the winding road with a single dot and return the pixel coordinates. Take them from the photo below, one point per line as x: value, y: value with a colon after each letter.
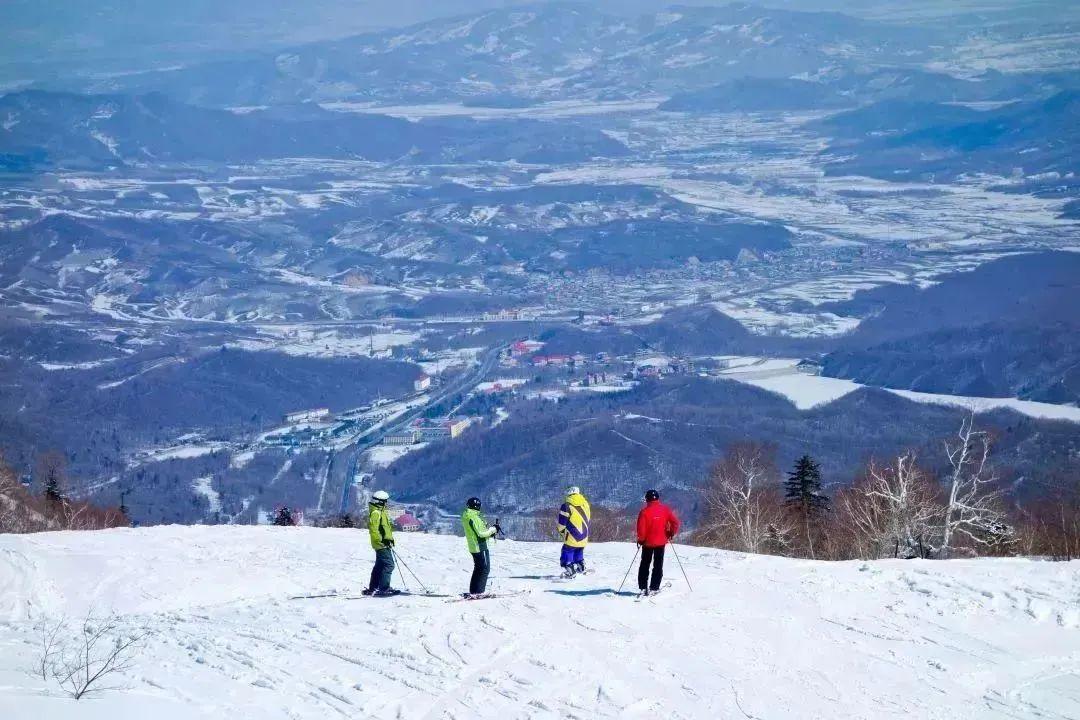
x: 461, y: 384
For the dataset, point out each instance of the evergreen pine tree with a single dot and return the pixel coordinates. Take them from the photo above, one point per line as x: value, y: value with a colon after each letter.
x: 803, y: 487
x: 284, y: 517
x: 53, y: 494
x: 802, y: 492
x: 50, y: 475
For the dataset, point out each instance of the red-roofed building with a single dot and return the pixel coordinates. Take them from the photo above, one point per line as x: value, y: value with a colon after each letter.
x: 407, y: 522
x: 525, y: 347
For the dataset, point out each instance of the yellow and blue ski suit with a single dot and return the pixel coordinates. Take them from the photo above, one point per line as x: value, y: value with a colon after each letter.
x: 574, y: 517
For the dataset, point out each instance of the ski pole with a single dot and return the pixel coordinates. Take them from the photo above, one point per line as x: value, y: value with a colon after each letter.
x: 399, y: 572
x: 636, y: 551
x: 398, y: 558
x: 681, y: 567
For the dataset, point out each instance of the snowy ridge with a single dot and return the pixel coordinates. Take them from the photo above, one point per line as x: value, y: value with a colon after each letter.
x: 758, y: 637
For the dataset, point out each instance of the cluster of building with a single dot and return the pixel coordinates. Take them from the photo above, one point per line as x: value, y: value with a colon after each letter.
x: 528, y: 351
x: 314, y: 415
x: 557, y: 360
x: 429, y: 430
x: 652, y: 367
x: 525, y: 347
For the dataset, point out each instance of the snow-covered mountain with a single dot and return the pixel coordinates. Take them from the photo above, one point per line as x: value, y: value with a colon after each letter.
x: 546, y: 51
x: 756, y: 637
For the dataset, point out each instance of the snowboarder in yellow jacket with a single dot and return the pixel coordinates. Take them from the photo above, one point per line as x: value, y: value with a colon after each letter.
x: 477, y: 534
x: 382, y: 542
x: 574, y: 517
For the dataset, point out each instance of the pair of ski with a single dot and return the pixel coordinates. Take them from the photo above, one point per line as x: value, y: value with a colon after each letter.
x: 403, y: 593
x: 649, y: 594
x: 486, y: 596
x: 568, y: 578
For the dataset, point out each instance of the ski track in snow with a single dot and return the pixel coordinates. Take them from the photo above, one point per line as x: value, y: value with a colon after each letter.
x: 758, y: 637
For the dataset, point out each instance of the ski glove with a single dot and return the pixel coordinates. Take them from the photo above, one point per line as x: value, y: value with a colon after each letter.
x: 388, y: 543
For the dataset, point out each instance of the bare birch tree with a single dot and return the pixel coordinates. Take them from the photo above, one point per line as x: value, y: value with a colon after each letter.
x: 893, y: 510
x: 973, y: 509
x: 744, y: 508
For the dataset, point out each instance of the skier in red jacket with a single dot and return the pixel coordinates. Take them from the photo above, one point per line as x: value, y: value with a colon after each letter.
x: 656, y: 525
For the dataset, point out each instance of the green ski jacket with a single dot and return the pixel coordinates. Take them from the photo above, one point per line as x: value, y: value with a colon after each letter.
x: 475, y: 529
x: 379, y: 526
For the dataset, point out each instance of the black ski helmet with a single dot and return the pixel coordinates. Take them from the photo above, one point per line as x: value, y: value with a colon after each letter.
x: 473, y: 503
x: 651, y: 495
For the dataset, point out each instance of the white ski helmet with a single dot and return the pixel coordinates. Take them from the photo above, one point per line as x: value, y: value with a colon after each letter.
x: 573, y: 490
x: 380, y: 496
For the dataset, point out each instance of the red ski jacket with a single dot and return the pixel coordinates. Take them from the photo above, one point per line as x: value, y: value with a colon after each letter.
x: 656, y: 524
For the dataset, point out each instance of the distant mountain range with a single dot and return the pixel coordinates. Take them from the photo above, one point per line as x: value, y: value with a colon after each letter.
x: 903, y: 139
x: 545, y: 51
x: 92, y: 131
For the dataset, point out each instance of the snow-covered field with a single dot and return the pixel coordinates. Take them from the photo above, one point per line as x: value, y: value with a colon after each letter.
x: 757, y: 637
x: 382, y: 456
x: 805, y: 391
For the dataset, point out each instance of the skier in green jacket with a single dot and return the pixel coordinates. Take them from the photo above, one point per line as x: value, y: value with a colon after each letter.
x: 477, y: 533
x: 382, y: 542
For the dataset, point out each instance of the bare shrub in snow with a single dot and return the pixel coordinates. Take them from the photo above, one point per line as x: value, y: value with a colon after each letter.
x: 893, y: 511
x: 22, y: 512
x: 744, y: 507
x: 19, y: 512
x: 608, y: 525
x: 48, y: 635
x: 530, y: 527
x: 1050, y: 527
x: 85, y: 661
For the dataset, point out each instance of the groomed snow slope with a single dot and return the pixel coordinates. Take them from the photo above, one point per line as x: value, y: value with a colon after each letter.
x: 758, y: 637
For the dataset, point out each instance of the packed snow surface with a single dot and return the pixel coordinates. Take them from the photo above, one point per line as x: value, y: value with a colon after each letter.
x: 757, y: 637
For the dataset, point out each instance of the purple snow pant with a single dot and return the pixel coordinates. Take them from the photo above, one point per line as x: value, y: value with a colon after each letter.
x: 572, y: 555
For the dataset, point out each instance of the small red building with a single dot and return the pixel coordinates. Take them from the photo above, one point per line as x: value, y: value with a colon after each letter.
x: 407, y: 522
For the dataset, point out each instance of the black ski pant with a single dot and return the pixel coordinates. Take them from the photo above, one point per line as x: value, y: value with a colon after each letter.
x: 383, y: 571
x: 651, y: 556
x: 481, y: 568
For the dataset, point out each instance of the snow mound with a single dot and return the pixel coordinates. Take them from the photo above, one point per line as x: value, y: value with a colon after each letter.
x: 757, y: 637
